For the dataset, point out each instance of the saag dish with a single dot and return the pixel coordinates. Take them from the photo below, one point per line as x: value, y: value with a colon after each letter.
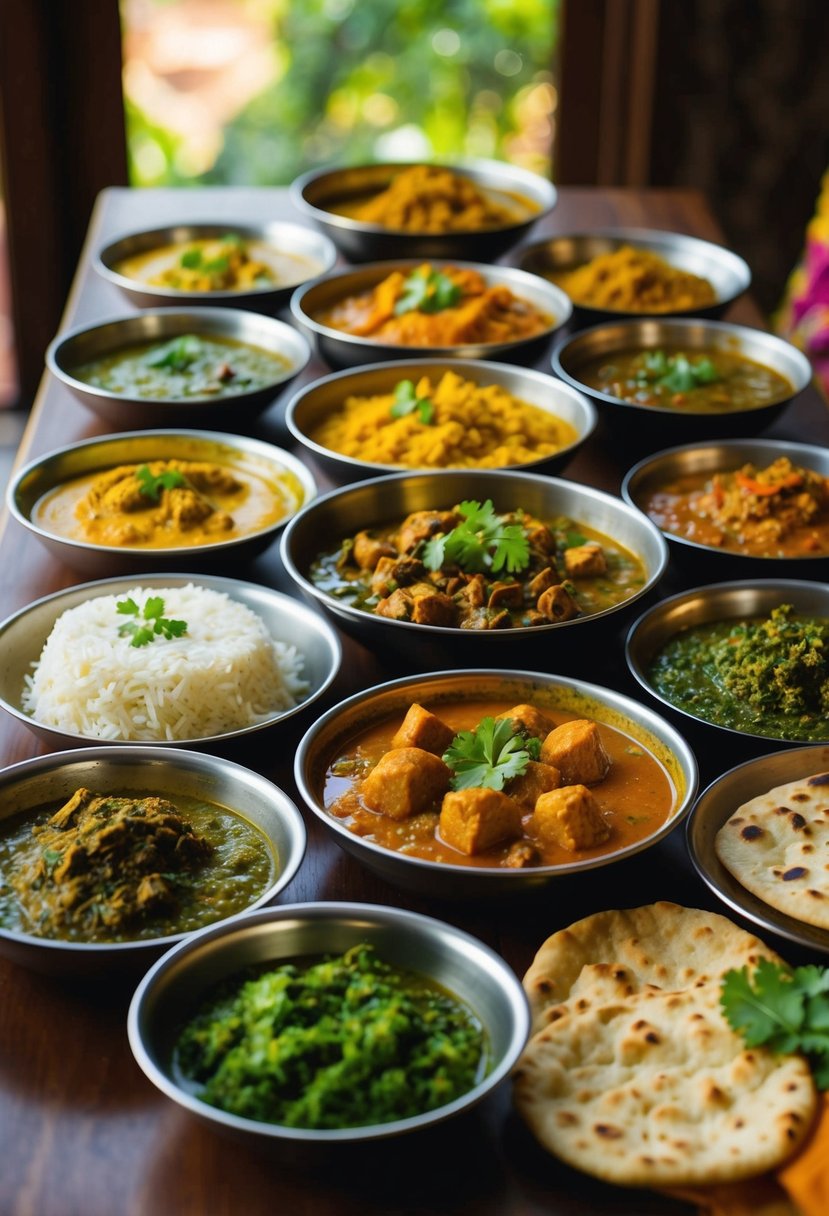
x: 472, y: 568
x: 710, y: 382
x: 110, y: 868
x: 349, y: 1041
x: 767, y: 677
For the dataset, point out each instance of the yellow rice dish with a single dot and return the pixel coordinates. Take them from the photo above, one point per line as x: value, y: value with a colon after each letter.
x: 469, y: 426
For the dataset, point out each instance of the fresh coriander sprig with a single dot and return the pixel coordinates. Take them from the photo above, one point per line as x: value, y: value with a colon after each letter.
x: 782, y: 1008
x: 406, y: 401
x: 481, y: 543
x: 677, y: 373
x: 429, y: 292
x: 489, y: 756
x: 151, y: 486
x: 177, y: 355
x: 149, y: 623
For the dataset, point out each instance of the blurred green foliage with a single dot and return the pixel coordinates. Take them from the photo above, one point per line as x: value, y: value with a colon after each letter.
x: 364, y: 80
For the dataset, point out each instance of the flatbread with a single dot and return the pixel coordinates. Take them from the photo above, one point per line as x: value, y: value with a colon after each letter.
x: 777, y: 847
x: 614, y: 955
x: 657, y: 1090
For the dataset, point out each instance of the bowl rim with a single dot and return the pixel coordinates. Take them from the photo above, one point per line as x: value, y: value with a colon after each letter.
x: 620, y: 702
x: 747, y: 584
x: 684, y: 322
x: 138, y: 753
x: 221, y: 583
x: 779, y: 447
x: 412, y: 923
x: 492, y: 273
x: 752, y: 906
x: 240, y: 443
x: 101, y: 260
x: 463, y: 168
x: 655, y: 239
x: 446, y: 631
x: 211, y: 313
x: 462, y: 366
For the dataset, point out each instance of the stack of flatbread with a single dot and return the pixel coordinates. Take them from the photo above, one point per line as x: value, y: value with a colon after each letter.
x: 777, y: 847
x: 633, y: 1074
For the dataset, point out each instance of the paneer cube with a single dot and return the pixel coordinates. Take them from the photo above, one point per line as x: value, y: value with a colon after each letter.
x: 473, y: 821
x: 557, y: 604
x: 435, y: 609
x: 398, y: 606
x: 585, y: 561
x: 405, y: 781
x: 383, y: 581
x: 527, y: 720
x: 577, y: 751
x: 537, y: 779
x: 570, y: 817
x: 423, y: 729
x: 368, y: 550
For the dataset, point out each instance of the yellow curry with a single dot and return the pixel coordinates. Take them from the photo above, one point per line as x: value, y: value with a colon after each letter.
x: 430, y: 198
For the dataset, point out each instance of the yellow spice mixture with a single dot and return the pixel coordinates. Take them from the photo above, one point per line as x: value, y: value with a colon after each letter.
x: 635, y: 280
x: 428, y: 198
x: 471, y: 427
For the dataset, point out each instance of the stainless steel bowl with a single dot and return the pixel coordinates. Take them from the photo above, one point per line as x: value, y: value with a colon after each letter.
x: 47, y: 472
x: 50, y: 779
x: 311, y: 405
x: 88, y: 342
x: 23, y: 636
x: 328, y: 737
x: 702, y: 462
x: 705, y: 605
x: 718, y: 803
x: 318, y: 193
x: 379, y: 502
x: 653, y: 425
x: 340, y: 349
x: 173, y: 989
x: 315, y: 250
x: 727, y: 273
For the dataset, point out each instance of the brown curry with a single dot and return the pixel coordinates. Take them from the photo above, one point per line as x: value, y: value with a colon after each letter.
x: 592, y: 791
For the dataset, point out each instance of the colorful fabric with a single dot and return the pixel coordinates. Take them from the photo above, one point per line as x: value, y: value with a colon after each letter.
x: 804, y: 315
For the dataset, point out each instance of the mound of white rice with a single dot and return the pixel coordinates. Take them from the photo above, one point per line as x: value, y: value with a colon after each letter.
x: 223, y: 674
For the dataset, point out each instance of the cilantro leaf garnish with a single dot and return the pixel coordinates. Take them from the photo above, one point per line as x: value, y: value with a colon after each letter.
x: 429, y: 292
x: 217, y: 265
x: 151, y: 486
x: 782, y: 1008
x: 406, y: 401
x: 191, y: 259
x: 149, y: 623
x: 676, y: 372
x: 489, y: 756
x: 483, y: 542
x: 177, y: 355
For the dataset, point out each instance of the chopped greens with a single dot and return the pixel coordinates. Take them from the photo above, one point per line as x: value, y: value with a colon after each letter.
x: 151, y: 486
x: 430, y: 292
x: 784, y: 1009
x: 406, y: 401
x: 677, y: 373
x: 483, y: 542
x: 149, y: 623
x: 489, y: 756
x: 177, y: 355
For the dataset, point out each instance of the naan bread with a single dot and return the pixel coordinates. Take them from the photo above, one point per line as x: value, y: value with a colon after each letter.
x: 614, y: 955
x: 657, y: 1090
x: 777, y: 847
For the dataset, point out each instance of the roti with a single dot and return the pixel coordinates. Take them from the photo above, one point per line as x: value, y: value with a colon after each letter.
x: 777, y: 847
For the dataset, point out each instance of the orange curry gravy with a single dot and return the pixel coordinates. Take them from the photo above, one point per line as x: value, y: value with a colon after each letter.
x: 635, y: 798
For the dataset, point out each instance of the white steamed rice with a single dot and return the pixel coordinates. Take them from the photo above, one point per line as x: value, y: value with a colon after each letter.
x: 223, y: 674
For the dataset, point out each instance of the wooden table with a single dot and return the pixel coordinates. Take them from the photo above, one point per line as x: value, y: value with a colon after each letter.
x: 82, y: 1132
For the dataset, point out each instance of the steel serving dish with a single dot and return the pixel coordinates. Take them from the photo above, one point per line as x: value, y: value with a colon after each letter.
x: 341, y: 349
x: 654, y: 425
x: 383, y: 500
x: 294, y: 239
x: 703, y: 461
x: 318, y: 193
x: 23, y: 636
x: 315, y: 402
x: 45, y: 779
x: 47, y: 472
x: 727, y: 273
x: 718, y: 803
x: 89, y: 342
x: 328, y: 737
x: 172, y: 990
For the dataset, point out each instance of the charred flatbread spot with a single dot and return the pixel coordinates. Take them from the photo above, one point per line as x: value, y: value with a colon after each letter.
x: 608, y: 1131
x: 799, y: 798
x: 752, y: 832
x: 819, y: 779
x: 652, y: 1037
x: 795, y: 872
x: 815, y: 894
x: 797, y: 821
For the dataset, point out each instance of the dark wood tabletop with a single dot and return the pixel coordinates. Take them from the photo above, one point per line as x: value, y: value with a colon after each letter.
x: 82, y: 1132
